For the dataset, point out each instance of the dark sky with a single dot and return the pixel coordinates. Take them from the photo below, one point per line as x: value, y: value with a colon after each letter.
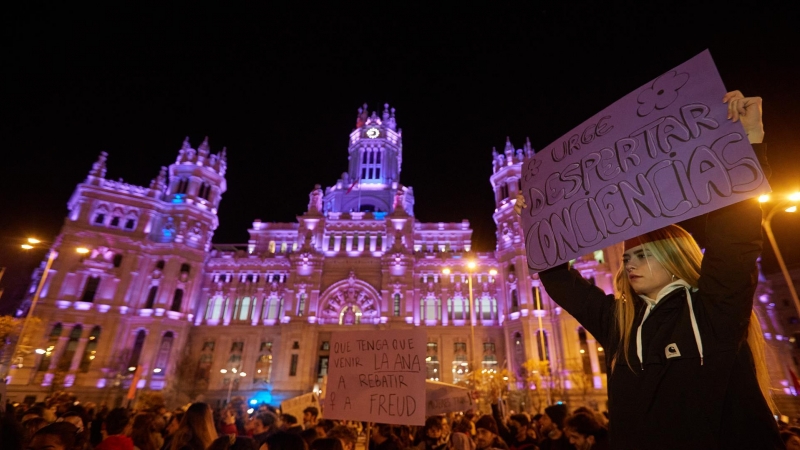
x: 280, y: 89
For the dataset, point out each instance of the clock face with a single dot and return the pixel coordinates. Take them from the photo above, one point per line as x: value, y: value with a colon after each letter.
x: 372, y: 133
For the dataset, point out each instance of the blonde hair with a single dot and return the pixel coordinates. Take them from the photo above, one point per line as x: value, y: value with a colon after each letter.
x: 196, y: 428
x: 678, y: 253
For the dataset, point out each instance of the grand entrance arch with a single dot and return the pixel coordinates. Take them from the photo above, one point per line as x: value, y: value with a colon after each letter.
x: 349, y: 302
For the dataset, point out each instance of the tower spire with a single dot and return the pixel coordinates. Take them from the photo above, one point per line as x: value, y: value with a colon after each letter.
x: 99, y: 167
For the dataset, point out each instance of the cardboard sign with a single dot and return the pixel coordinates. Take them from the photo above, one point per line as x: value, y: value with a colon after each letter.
x: 377, y: 376
x: 664, y: 153
x: 441, y: 398
x: 296, y: 405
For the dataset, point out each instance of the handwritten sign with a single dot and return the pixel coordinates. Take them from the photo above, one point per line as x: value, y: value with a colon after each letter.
x: 377, y: 376
x: 664, y: 153
x: 441, y: 398
x: 296, y: 405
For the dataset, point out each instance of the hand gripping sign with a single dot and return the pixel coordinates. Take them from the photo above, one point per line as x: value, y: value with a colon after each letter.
x: 664, y: 153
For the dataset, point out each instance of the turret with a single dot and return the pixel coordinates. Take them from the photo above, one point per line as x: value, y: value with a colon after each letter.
x: 197, y: 176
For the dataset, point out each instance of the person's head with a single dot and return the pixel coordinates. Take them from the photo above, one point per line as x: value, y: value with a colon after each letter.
x: 142, y: 431
x: 381, y: 432
x: 485, y: 431
x: 12, y: 434
x: 197, y: 425
x: 650, y: 262
x: 288, y: 420
x: 344, y: 434
x: 790, y: 440
x: 31, y: 426
x: 309, y: 435
x: 117, y: 421
x: 262, y: 422
x: 33, y: 411
x: 326, y: 444
x: 57, y: 436
x: 73, y: 418
x: 233, y: 442
x: 553, y: 418
x: 433, y: 427
x: 286, y: 441
x: 583, y: 431
x: 518, y: 425
x: 323, y: 427
x: 310, y: 414
x: 174, y: 423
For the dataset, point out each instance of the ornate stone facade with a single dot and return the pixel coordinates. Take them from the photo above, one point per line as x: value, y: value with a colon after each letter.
x: 154, y: 296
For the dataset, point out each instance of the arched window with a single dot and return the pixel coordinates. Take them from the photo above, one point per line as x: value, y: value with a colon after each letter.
x: 160, y: 264
x: 396, y: 305
x: 432, y: 361
x: 151, y: 297
x: 242, y: 309
x: 460, y: 365
x: 264, y: 363
x: 136, y: 351
x: 183, y: 186
x: 117, y: 259
x: 214, y: 310
x: 91, y: 289
x: 519, y: 350
x: 65, y: 362
x: 274, y: 308
x: 542, y: 345
x: 514, y: 301
x: 489, y: 356
x: 52, y: 341
x: 301, y: 304
x: 487, y: 308
x: 177, y: 300
x: 271, y: 247
x: 458, y: 308
x: 163, y: 354
x: 90, y: 352
x: 429, y: 308
x: 584, y: 351
x: 350, y: 315
x: 537, y: 297
x: 185, y: 268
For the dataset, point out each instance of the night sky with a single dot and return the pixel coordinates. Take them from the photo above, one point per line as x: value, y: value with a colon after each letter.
x: 280, y: 89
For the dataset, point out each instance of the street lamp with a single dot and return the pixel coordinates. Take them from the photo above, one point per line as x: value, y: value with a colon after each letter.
x: 234, y: 370
x: 52, y: 255
x: 471, y: 266
x: 767, y: 224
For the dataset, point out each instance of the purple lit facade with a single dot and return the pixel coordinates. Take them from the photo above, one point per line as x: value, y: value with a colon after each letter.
x: 154, y: 293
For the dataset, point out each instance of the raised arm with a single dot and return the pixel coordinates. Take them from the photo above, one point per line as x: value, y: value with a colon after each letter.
x: 729, y: 274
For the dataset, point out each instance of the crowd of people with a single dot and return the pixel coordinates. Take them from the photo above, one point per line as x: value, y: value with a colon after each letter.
x: 71, y: 425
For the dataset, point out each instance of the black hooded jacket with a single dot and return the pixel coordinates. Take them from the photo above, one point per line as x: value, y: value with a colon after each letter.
x: 674, y: 399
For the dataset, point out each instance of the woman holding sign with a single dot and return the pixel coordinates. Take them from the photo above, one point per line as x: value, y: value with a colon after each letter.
x: 685, y: 350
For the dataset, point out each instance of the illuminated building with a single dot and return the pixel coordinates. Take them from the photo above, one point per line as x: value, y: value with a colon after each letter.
x: 156, y: 295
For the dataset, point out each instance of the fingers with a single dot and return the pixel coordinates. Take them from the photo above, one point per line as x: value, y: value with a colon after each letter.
x: 731, y: 98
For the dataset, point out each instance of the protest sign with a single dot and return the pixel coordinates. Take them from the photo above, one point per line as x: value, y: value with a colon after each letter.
x: 296, y: 405
x: 664, y: 153
x: 441, y: 398
x: 377, y: 376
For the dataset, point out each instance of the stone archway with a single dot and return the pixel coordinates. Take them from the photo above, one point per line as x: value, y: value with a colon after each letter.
x: 349, y: 302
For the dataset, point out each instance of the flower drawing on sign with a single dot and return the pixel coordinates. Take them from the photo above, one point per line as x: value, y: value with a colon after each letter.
x: 662, y: 93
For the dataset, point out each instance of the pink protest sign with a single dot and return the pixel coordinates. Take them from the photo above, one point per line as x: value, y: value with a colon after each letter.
x: 664, y: 153
x: 377, y: 376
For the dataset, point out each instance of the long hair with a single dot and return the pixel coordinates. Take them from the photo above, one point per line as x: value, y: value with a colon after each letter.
x: 142, y: 432
x: 677, y: 251
x: 196, y: 429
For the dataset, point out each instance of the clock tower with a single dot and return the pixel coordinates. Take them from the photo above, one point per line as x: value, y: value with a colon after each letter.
x: 372, y: 180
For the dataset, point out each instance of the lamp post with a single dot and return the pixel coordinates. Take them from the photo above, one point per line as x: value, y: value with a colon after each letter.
x: 766, y: 222
x: 234, y: 370
x: 471, y: 266
x: 52, y: 255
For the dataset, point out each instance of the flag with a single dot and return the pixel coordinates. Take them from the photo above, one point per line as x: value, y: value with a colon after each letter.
x: 358, y: 180
x: 137, y: 375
